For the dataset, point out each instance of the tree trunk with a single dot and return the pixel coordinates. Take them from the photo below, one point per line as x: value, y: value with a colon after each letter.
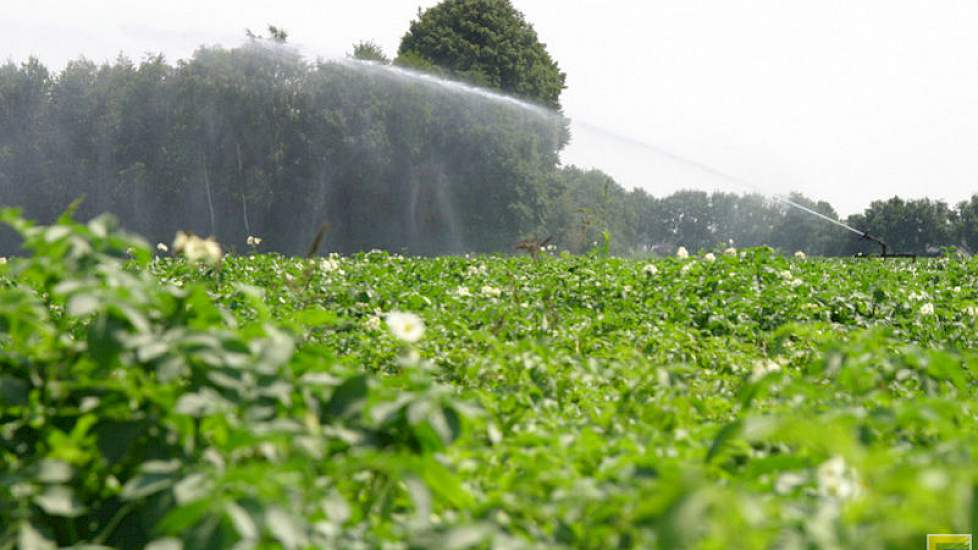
x: 207, y: 187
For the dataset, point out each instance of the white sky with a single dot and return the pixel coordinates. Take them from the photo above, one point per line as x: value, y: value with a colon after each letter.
x: 844, y: 100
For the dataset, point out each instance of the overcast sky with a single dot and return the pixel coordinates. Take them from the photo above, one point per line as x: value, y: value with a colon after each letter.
x: 843, y: 100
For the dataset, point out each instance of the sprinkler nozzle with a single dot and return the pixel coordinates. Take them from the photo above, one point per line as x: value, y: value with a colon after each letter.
x: 878, y: 241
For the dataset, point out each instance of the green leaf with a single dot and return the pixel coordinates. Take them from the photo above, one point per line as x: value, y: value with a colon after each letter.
x: 182, y: 518
x: 444, y: 483
x: 58, y: 500
x: 165, y: 543
x: 154, y: 477
x: 316, y: 317
x: 242, y: 521
x: 466, y: 536
x: 725, y: 434
x: 285, y: 527
x: 29, y: 538
x: 193, y: 487
x: 13, y: 391
x: 421, y: 498
x: 348, y: 397
x: 82, y: 304
x: 202, y: 403
x: 492, y: 432
x: 116, y: 439
x: 276, y: 351
x: 54, y: 471
x: 56, y: 233
x: 336, y: 508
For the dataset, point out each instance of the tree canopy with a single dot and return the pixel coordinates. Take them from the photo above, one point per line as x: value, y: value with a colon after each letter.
x: 369, y: 51
x: 487, y: 42
x: 256, y: 140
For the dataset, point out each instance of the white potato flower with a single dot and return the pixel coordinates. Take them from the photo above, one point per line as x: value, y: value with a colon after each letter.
x: 764, y: 367
x: 162, y: 248
x: 789, y: 278
x: 933, y: 479
x: 730, y: 251
x: 650, y: 270
x: 197, y: 250
x: 407, y: 327
x: 787, y: 482
x: 409, y: 358
x: 373, y: 322
x: 837, y: 480
x: 253, y: 241
x: 328, y: 265
x: 682, y: 253
x: 927, y: 309
x: 800, y: 255
x: 709, y: 257
x: 918, y: 296
x: 462, y: 292
x: 210, y: 251
x: 180, y: 241
x: 491, y: 291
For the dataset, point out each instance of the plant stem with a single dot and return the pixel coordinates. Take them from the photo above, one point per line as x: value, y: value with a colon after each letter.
x: 113, y: 523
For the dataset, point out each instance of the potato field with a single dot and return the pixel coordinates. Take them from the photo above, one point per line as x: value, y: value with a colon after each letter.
x: 728, y: 399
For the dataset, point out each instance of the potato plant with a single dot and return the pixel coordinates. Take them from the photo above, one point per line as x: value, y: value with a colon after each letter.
x: 736, y: 400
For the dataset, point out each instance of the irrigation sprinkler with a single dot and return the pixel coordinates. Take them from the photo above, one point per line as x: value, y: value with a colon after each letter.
x: 884, y: 249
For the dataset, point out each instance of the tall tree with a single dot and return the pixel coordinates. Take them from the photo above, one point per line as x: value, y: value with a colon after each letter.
x: 920, y: 226
x: 370, y: 51
x: 799, y: 230
x: 688, y: 220
x: 967, y: 227
x: 487, y: 42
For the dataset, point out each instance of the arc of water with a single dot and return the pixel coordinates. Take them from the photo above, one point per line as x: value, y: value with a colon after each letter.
x: 718, y: 173
x: 460, y: 87
x: 453, y: 85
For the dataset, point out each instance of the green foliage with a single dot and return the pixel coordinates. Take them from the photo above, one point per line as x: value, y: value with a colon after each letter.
x: 277, y: 35
x: 488, y: 43
x: 134, y: 410
x: 370, y: 51
x: 741, y: 401
x: 799, y: 230
x: 255, y: 140
x: 967, y: 227
x: 921, y: 226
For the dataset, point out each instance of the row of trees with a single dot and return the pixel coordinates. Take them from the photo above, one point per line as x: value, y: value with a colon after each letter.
x: 256, y: 140
x: 587, y: 203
